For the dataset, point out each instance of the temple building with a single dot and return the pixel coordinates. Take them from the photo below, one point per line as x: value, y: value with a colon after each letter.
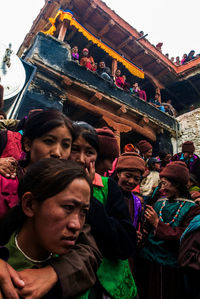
x: 62, y: 83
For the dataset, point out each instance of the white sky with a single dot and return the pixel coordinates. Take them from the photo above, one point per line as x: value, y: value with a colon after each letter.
x: 176, y: 23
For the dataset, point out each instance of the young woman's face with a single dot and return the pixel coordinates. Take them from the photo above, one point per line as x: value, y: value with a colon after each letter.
x: 128, y: 180
x: 54, y: 144
x: 58, y: 220
x: 82, y: 152
x: 168, y: 188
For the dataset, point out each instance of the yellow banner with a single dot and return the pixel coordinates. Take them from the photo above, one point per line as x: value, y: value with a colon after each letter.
x: 133, y: 69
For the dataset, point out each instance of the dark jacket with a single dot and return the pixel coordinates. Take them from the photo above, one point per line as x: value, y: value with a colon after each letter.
x: 111, y: 225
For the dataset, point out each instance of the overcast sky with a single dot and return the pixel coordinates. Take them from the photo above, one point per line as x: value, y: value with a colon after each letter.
x: 176, y: 23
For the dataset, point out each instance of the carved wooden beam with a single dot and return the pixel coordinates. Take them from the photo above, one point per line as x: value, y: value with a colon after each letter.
x: 106, y: 28
x: 125, y: 42
x: 143, y: 121
x: 119, y: 128
x: 146, y: 132
x: 121, y: 110
x: 141, y: 53
x: 66, y: 82
x: 96, y: 97
x: 88, y: 12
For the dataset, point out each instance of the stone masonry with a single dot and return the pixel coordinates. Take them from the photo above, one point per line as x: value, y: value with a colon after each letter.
x: 190, y: 129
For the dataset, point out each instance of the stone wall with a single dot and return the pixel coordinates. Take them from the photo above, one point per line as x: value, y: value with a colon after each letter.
x: 190, y: 129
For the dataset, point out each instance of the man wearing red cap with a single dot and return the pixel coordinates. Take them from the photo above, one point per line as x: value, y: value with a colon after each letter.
x: 187, y: 155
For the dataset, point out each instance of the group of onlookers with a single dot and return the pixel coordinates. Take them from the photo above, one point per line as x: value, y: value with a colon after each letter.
x: 80, y: 220
x: 118, y: 80
x: 186, y: 58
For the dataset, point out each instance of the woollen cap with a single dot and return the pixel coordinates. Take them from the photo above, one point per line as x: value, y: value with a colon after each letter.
x: 176, y: 171
x: 144, y: 146
x: 108, y: 147
x: 130, y: 161
x: 129, y: 148
x: 188, y: 146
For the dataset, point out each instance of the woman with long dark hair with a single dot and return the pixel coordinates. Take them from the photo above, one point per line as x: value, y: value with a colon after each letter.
x: 54, y: 200
x: 110, y: 222
x: 48, y: 134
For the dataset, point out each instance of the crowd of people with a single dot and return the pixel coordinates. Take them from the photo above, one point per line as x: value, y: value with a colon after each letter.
x: 186, y: 57
x: 79, y: 219
x: 118, y: 80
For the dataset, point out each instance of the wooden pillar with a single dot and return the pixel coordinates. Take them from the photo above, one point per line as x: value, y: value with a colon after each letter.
x: 63, y: 30
x: 114, y: 67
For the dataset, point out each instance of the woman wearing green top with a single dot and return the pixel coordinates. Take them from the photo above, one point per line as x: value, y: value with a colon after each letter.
x: 158, y: 272
x: 109, y: 219
x: 54, y: 199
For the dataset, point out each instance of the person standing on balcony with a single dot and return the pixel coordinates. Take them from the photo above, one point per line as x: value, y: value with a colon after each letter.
x: 75, y: 55
x: 87, y: 61
x: 140, y: 93
x: 119, y: 80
